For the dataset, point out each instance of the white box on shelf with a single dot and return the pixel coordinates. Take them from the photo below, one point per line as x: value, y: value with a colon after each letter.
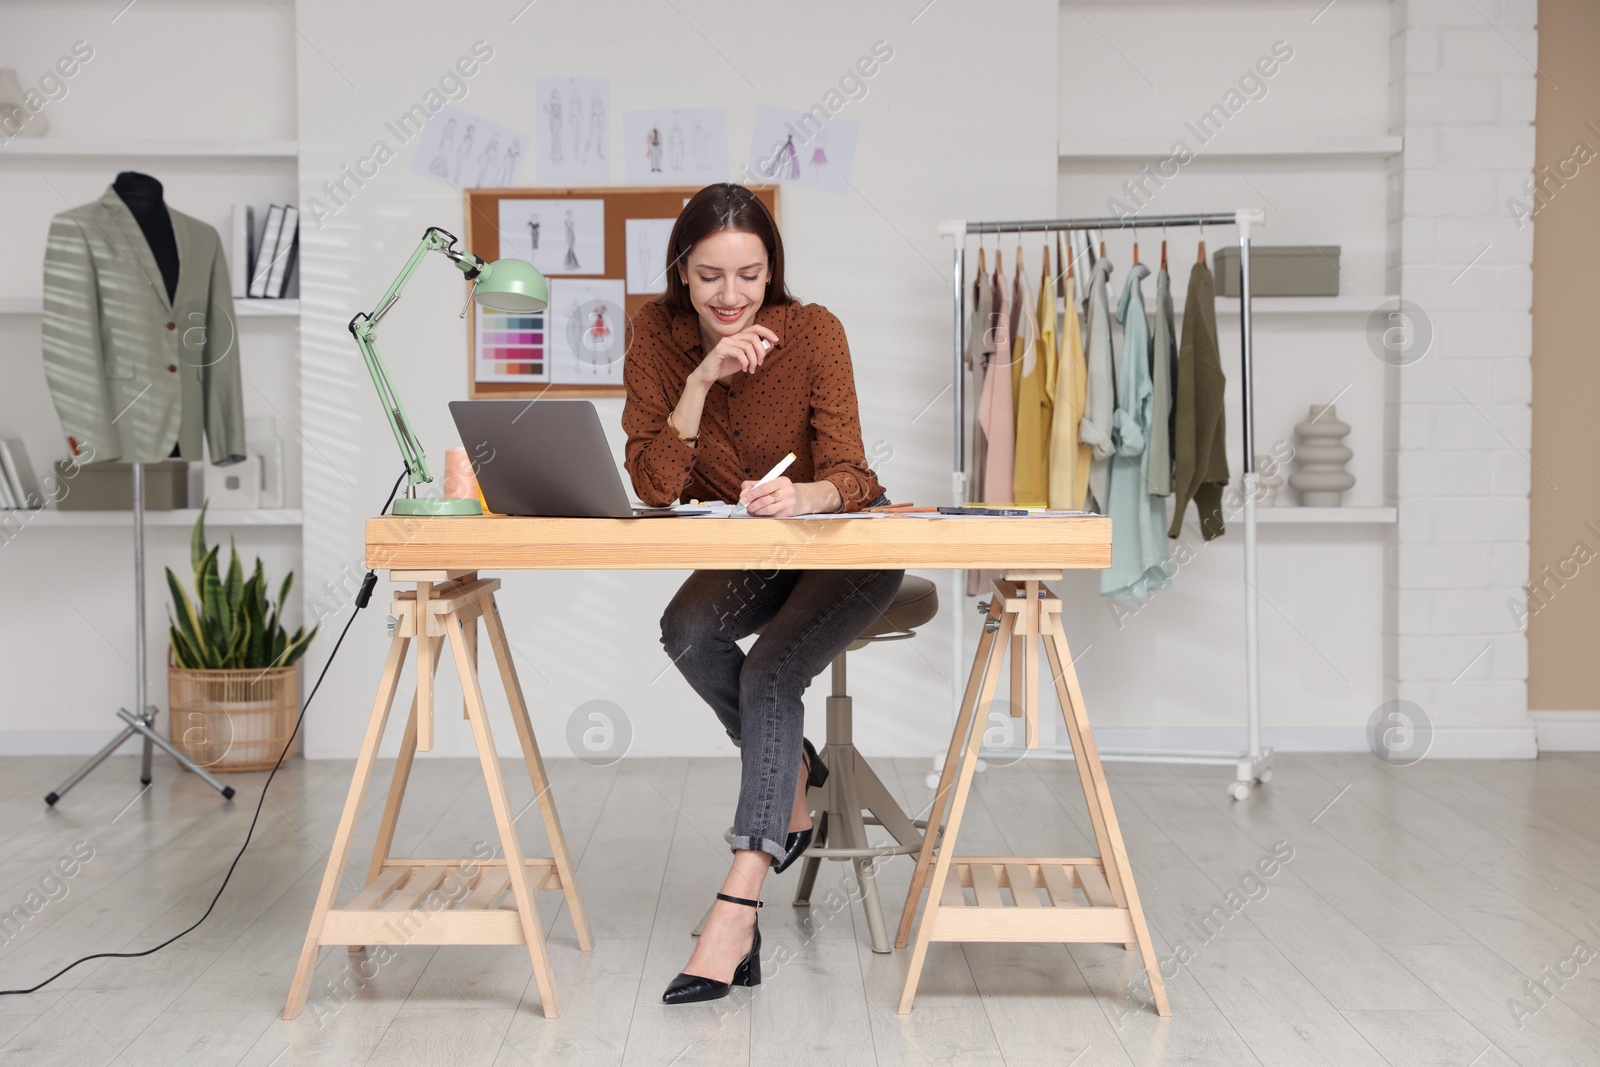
x: 262, y: 441
x: 226, y: 488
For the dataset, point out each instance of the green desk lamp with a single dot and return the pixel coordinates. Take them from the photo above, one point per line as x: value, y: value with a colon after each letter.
x: 504, y: 285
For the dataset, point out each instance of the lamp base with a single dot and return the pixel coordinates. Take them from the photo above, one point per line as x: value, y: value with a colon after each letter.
x: 408, y: 505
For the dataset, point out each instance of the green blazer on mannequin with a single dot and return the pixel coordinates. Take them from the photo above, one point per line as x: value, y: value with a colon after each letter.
x: 132, y: 372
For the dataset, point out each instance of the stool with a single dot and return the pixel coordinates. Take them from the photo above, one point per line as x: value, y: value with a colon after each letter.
x: 853, y: 787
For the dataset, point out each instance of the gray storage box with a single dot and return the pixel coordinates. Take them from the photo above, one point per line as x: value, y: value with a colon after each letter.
x: 1297, y: 270
x: 109, y: 486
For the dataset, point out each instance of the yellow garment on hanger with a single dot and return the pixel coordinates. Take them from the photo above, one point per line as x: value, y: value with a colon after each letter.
x: 1036, y: 403
x: 1069, y: 457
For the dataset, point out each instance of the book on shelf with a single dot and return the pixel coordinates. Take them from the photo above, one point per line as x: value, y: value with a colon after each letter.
x: 241, y: 250
x: 21, y: 485
x: 266, y: 251
x: 284, y: 256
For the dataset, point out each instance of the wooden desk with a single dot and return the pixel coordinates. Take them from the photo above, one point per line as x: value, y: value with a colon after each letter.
x: 1083, y: 898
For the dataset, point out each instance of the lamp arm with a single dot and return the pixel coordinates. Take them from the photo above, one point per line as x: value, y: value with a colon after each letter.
x: 364, y: 329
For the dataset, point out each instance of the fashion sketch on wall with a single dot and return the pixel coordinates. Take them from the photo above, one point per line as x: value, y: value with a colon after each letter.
x: 675, y: 146
x: 573, y: 138
x: 557, y: 236
x: 466, y: 152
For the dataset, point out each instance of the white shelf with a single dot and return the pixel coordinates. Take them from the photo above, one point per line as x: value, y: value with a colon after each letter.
x: 1290, y: 515
x: 244, y: 309
x: 1303, y: 305
x: 172, y: 148
x: 181, y: 517
x: 1228, y: 148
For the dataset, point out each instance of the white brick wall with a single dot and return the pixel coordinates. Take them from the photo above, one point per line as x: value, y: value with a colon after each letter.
x: 1463, y: 98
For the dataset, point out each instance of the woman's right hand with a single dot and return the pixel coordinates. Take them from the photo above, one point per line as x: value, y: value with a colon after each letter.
x: 741, y: 351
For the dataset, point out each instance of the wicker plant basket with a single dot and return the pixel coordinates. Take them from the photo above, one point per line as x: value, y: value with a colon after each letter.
x: 233, y: 720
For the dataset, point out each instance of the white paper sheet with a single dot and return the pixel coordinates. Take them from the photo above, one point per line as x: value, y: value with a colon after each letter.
x: 573, y: 143
x: 675, y: 146
x: 557, y: 236
x: 587, y: 322
x: 797, y: 148
x: 647, y: 241
x: 467, y: 152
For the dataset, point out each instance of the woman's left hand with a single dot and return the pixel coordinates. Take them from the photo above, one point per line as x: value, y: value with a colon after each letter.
x: 775, y: 499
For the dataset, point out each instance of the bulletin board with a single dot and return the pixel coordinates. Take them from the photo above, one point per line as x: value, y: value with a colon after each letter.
x: 604, y: 253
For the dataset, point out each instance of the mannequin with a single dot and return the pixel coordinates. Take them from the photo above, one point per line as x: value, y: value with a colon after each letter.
x: 142, y: 194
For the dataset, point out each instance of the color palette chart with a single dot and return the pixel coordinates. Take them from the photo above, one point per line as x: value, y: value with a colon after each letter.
x: 510, y: 347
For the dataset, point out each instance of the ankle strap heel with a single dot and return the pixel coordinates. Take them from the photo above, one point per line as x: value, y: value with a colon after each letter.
x: 742, y: 900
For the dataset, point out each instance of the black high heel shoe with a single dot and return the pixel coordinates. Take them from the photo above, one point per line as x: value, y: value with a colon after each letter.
x: 800, y: 840
x: 694, y: 988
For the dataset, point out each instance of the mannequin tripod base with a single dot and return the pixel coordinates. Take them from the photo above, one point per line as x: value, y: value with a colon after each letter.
x: 143, y: 726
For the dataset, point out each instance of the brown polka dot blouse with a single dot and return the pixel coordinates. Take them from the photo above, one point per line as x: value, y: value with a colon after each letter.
x: 802, y: 400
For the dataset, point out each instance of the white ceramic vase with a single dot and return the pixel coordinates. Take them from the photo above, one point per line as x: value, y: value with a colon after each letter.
x: 15, y: 119
x: 1320, y: 477
x: 1269, y: 476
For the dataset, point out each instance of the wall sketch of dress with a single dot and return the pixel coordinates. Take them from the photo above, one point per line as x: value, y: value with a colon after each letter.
x: 597, y: 125
x: 553, y: 109
x: 794, y: 160
x: 487, y: 159
x: 440, y: 166
x: 675, y: 148
x: 595, y: 353
x: 819, y: 158
x: 508, y: 169
x: 463, y: 152
x: 645, y: 253
x: 652, y: 150
x: 571, y: 260
x: 575, y: 114
x: 533, y: 232
x: 697, y: 147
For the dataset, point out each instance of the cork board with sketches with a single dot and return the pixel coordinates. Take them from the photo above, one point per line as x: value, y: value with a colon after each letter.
x: 603, y: 251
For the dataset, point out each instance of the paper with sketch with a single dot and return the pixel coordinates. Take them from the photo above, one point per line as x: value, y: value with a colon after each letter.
x: 574, y: 139
x: 647, y: 242
x: 675, y: 146
x: 557, y: 236
x: 467, y: 152
x: 587, y: 331
x: 797, y: 148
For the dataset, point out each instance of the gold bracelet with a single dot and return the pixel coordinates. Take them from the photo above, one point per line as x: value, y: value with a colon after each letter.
x: 674, y: 428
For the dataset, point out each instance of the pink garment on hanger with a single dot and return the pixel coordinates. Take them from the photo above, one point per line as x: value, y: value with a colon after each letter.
x: 996, y: 409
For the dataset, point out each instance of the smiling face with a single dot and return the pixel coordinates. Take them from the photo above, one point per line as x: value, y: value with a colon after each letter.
x: 726, y: 273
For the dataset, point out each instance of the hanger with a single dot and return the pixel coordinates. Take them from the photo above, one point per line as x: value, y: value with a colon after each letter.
x: 980, y: 253
x: 1200, y: 258
x: 1135, y: 246
x: 1045, y: 276
x: 1065, y: 253
x: 1163, y: 247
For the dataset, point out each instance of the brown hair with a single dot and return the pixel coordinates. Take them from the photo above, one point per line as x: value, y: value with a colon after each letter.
x: 724, y: 206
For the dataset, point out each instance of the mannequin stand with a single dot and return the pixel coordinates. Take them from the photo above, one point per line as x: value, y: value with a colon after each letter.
x: 141, y: 721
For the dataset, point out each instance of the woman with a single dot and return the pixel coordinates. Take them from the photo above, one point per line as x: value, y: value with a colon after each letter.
x: 725, y: 375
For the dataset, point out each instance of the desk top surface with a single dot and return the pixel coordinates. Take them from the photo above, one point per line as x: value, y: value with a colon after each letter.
x: 500, y: 542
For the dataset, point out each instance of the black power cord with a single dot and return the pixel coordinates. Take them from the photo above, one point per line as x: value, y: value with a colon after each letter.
x: 362, y: 598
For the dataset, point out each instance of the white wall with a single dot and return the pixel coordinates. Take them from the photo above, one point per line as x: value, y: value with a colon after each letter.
x: 933, y: 146
x: 164, y: 69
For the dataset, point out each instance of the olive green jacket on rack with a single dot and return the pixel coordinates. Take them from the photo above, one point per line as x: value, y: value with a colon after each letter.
x: 132, y: 372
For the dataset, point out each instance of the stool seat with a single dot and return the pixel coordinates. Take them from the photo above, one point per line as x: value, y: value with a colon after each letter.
x: 915, y: 603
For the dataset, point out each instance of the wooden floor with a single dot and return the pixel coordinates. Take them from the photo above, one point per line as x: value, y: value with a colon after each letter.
x: 1420, y: 906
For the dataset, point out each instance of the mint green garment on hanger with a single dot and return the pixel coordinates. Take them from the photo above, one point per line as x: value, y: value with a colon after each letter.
x: 1095, y: 429
x: 1139, y: 560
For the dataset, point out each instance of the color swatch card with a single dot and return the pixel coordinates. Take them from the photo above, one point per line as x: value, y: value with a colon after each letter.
x: 588, y: 326
x: 510, y: 347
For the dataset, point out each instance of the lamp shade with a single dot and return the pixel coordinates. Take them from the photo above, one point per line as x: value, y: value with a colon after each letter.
x: 512, y: 285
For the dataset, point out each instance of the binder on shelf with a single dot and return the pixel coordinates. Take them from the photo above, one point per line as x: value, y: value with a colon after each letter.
x: 7, y: 501
x: 241, y: 250
x: 288, y: 247
x: 267, y: 251
x: 19, y: 477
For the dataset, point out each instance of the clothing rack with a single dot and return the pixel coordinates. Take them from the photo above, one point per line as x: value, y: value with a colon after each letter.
x: 1255, y: 763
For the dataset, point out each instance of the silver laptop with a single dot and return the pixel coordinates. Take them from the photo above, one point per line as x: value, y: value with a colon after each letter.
x: 544, y: 457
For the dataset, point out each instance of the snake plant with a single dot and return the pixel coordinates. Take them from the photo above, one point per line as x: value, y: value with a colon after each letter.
x: 230, y: 624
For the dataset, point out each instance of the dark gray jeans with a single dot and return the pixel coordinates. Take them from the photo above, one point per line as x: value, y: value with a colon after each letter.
x: 806, y: 618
